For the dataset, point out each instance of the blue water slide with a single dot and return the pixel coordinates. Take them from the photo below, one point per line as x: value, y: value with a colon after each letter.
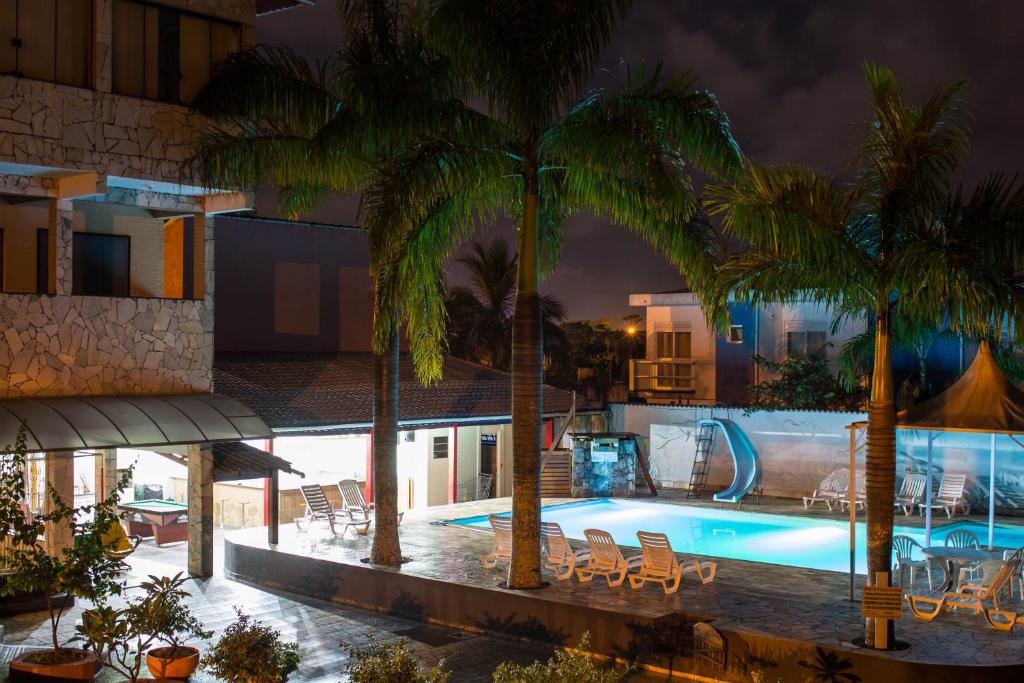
x: 746, y: 465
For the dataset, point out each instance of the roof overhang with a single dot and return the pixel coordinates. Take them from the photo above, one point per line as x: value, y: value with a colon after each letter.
x: 70, y: 423
x: 408, y: 425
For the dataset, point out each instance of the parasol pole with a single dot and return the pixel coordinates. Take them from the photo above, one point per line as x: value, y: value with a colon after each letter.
x: 992, y: 493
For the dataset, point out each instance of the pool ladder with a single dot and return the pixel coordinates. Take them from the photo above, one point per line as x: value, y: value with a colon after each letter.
x: 701, y: 460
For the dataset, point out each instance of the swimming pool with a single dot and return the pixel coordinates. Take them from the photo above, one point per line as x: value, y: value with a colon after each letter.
x: 741, y: 535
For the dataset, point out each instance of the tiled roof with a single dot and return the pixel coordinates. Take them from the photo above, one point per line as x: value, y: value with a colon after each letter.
x: 335, y: 390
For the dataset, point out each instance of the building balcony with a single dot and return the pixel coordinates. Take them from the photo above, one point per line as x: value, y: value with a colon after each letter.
x: 671, y: 378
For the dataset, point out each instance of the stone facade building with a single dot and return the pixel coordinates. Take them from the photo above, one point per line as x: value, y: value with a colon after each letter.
x: 107, y: 250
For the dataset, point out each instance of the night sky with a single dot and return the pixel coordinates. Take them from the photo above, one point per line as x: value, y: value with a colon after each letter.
x: 788, y: 74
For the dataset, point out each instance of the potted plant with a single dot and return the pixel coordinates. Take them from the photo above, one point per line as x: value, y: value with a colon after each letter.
x: 249, y: 652
x: 120, y: 637
x: 85, y: 569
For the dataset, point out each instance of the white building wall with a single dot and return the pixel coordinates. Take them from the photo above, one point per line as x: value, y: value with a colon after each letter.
x: 437, y: 468
x: 413, y: 455
x: 686, y: 318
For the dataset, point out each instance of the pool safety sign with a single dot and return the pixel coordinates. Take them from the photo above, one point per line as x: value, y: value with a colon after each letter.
x: 881, y: 602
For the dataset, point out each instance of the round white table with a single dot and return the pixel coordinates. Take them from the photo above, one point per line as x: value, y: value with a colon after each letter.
x: 952, y: 558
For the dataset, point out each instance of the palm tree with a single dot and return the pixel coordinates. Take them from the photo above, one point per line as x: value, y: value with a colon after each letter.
x: 314, y: 130
x: 480, y: 316
x: 898, y: 240
x: 551, y: 152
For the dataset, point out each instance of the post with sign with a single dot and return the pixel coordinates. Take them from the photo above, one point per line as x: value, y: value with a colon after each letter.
x: 881, y: 602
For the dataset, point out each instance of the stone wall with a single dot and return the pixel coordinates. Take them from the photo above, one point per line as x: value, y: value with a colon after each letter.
x: 604, y: 467
x: 74, y: 345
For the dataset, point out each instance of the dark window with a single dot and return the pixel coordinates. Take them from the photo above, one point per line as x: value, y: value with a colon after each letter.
x: 42, y: 260
x: 164, y: 54
x: 48, y: 40
x: 806, y: 343
x: 100, y: 264
x: 440, y: 447
x: 673, y: 344
x: 735, y: 334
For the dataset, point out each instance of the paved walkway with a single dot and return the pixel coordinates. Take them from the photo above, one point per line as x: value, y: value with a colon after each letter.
x: 321, y: 628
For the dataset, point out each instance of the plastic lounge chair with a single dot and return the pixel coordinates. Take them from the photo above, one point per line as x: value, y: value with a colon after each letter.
x: 860, y: 496
x: 978, y: 598
x: 605, y: 559
x: 318, y: 508
x: 659, y: 564
x: 828, y: 492
x: 354, y: 504
x: 501, y: 548
x: 903, y: 548
x: 561, y: 558
x: 950, y: 496
x: 909, y: 496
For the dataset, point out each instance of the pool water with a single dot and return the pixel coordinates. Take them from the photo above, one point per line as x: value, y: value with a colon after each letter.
x: 742, y: 535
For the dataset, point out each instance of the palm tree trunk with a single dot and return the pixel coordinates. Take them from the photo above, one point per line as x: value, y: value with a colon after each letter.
x: 386, y: 548
x: 527, y: 382
x: 881, y: 460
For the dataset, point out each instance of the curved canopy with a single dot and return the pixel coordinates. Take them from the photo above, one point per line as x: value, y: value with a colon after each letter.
x: 70, y: 423
x: 982, y: 400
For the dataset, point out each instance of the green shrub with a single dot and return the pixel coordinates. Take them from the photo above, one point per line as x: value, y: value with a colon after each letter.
x: 249, y: 652
x: 389, y: 663
x: 562, y: 667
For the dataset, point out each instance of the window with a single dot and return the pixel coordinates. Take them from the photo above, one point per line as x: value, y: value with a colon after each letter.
x: 163, y: 54
x: 735, y: 334
x: 42, y: 260
x: 674, y: 376
x: 440, y: 448
x: 673, y: 344
x: 805, y: 343
x: 48, y: 40
x: 100, y: 264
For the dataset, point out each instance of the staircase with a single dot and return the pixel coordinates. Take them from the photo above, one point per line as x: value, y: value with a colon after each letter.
x: 701, y: 461
x: 556, y: 474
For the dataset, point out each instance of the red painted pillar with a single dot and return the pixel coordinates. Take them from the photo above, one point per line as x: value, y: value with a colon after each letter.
x: 268, y: 446
x: 368, y: 486
x: 549, y: 433
x: 453, y: 467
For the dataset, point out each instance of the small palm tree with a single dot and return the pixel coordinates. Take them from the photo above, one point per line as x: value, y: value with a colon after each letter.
x: 481, y: 315
x: 898, y: 240
x: 551, y: 151
x: 314, y: 130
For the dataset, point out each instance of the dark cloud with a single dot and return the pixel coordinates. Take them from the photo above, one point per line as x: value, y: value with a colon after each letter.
x: 789, y: 75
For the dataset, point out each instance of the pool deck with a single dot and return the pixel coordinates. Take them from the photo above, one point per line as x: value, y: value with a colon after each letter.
x: 773, y: 617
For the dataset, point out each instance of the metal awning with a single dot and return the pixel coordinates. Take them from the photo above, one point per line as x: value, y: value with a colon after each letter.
x: 236, y: 461
x: 69, y: 423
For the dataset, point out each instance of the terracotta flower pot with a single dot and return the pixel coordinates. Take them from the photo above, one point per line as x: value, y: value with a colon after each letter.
x: 182, y: 665
x: 77, y: 665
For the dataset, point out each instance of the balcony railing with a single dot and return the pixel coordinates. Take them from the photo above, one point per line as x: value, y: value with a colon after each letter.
x: 671, y: 376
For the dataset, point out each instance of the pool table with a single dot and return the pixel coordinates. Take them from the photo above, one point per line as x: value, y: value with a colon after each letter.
x: 164, y: 520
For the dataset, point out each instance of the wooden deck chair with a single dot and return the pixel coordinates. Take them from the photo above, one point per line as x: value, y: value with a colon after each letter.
x: 910, y: 493
x: 950, y: 495
x: 561, y: 558
x: 978, y: 598
x: 828, y: 492
x: 501, y: 548
x: 605, y: 559
x: 659, y: 564
x: 354, y: 504
x: 318, y: 508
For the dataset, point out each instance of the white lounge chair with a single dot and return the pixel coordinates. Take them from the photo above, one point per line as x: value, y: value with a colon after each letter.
x: 605, y: 559
x: 979, y: 598
x: 659, y: 564
x: 950, y: 496
x: 354, y: 504
x: 501, y: 546
x: 319, y: 508
x: 860, y: 495
x: 910, y: 493
x: 561, y: 558
x: 828, y: 492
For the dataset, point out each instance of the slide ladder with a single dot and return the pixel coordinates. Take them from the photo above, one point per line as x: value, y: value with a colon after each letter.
x: 702, y: 459
x: 746, y: 465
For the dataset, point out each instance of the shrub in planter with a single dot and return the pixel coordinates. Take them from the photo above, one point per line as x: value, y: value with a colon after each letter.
x: 389, y: 663
x: 249, y: 652
x: 85, y: 569
x: 562, y: 667
x: 120, y: 637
